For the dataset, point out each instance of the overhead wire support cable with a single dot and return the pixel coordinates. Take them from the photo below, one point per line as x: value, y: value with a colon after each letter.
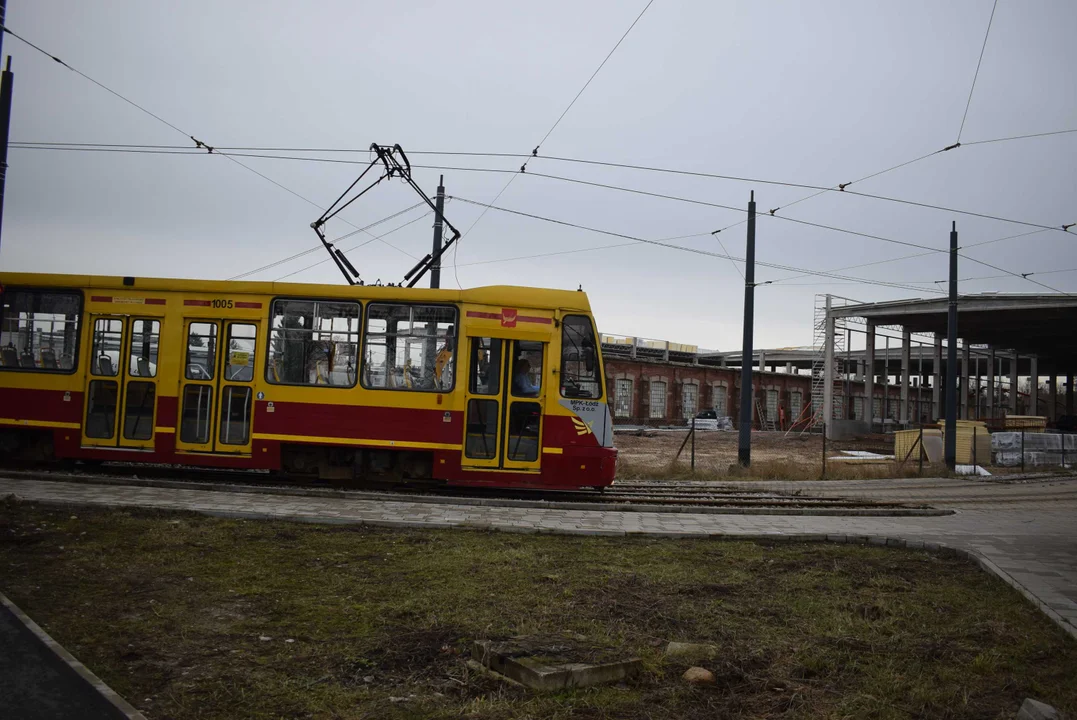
x: 593, y: 75
x: 198, y: 143
x: 976, y: 74
x: 534, y: 153
x: 1019, y: 137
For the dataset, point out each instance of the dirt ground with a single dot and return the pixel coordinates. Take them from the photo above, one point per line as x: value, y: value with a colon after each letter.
x: 775, y: 455
x: 793, y: 455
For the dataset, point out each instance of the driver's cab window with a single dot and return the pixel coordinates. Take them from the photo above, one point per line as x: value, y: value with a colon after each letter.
x: 526, y: 368
x: 579, y: 359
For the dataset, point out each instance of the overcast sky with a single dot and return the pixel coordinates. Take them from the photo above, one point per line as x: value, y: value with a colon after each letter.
x: 818, y: 93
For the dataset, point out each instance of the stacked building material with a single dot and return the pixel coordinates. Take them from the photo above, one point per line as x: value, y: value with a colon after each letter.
x: 1034, y: 448
x: 1027, y: 423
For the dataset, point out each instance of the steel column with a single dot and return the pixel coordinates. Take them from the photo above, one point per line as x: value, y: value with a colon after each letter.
x: 963, y: 382
x: 906, y: 361
x: 936, y: 380
x: 992, y: 370
x: 1033, y: 385
x: 869, y: 375
x: 1013, y: 384
x: 828, y: 372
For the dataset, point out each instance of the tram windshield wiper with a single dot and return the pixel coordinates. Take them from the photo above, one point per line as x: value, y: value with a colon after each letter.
x: 395, y: 164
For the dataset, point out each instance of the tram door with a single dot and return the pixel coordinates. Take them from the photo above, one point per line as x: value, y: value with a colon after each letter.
x: 217, y: 389
x: 121, y: 385
x: 505, y: 399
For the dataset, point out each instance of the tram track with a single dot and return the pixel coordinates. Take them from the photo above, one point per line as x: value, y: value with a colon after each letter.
x: 630, y: 497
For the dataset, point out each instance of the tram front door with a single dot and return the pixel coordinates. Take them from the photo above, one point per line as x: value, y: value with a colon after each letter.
x: 505, y: 399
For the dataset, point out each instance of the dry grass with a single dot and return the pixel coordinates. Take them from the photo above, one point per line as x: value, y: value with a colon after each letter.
x: 770, y: 470
x: 775, y: 456
x: 171, y: 609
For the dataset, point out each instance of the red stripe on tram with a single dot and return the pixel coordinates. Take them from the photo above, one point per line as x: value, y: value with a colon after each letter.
x: 249, y: 305
x: 155, y: 301
x: 199, y: 303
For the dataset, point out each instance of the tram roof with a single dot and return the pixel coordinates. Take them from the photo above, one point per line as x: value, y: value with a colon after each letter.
x: 511, y: 295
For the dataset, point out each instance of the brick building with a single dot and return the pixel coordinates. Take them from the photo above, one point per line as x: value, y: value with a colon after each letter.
x: 660, y: 391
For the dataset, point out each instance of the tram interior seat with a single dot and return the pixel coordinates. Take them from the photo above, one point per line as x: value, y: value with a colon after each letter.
x: 48, y: 359
x: 143, y: 366
x: 9, y: 356
x: 104, y: 365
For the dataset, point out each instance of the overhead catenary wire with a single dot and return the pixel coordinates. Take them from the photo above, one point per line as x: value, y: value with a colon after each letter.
x: 356, y: 247
x: 910, y: 257
x: 319, y: 248
x: 516, y: 155
x: 575, y: 251
x: 819, y: 190
x: 696, y: 251
x: 816, y: 225
x: 781, y: 217
x: 199, y: 144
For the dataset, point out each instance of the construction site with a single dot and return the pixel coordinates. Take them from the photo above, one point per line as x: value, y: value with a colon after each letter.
x: 872, y: 384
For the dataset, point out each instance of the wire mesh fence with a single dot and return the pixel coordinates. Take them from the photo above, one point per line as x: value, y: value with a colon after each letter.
x: 704, y: 452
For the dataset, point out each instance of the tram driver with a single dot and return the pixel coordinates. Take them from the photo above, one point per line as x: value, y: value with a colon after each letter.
x: 522, y: 386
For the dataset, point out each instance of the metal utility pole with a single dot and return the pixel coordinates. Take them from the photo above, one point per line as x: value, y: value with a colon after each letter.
x: 439, y: 206
x: 744, y: 443
x: 7, y: 81
x: 950, y: 450
x: 3, y: 21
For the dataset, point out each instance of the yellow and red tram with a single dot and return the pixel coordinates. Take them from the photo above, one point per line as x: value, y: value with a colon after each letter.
x: 493, y: 386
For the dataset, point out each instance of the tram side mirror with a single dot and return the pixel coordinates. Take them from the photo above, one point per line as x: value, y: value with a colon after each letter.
x: 589, y: 359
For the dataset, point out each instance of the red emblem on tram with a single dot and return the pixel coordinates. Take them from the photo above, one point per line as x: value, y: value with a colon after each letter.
x: 508, y: 317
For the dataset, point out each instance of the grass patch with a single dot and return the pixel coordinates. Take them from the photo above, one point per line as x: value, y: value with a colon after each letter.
x: 171, y: 609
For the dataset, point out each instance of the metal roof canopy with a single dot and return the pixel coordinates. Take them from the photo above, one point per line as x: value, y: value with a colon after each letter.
x: 1040, y: 325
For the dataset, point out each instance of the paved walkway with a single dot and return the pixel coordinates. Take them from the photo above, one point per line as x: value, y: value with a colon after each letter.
x: 1025, y: 532
x: 41, y: 681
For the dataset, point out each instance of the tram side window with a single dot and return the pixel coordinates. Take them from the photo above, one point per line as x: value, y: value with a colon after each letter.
x: 579, y: 359
x: 410, y: 347
x: 145, y: 340
x: 313, y: 342
x: 39, y: 331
